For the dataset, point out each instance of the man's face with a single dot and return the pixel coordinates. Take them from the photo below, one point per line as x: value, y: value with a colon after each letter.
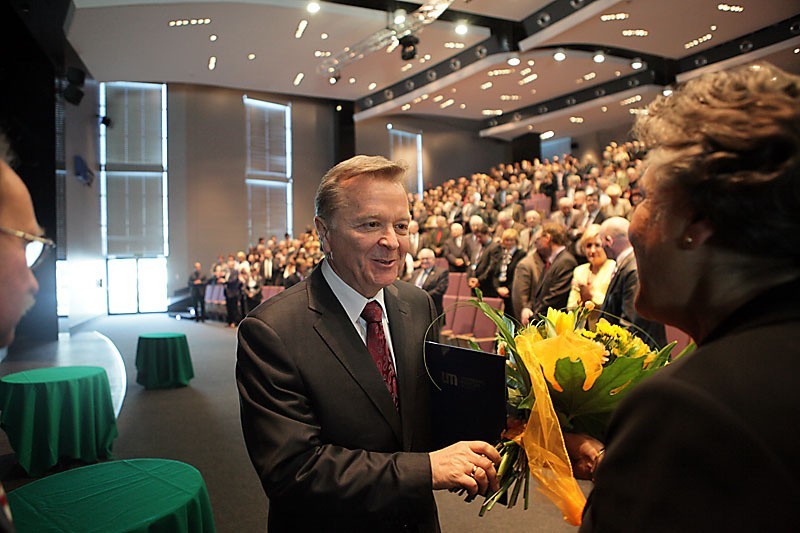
x: 531, y: 220
x: 543, y: 245
x: 367, y: 240
x: 592, y: 202
x: 19, y: 285
x: 197, y: 267
x: 426, y: 260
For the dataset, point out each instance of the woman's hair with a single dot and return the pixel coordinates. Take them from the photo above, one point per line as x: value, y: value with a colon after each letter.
x: 591, y: 233
x: 729, y: 144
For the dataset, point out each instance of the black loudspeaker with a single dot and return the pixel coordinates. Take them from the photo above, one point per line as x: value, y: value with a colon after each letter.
x: 76, y: 76
x: 73, y: 95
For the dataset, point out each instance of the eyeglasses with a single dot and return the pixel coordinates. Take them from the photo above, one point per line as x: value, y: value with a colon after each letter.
x: 36, y: 247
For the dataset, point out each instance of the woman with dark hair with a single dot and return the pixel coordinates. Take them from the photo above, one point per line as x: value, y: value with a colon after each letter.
x: 710, y: 442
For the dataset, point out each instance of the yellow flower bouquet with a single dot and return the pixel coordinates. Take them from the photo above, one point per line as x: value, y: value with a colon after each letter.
x: 561, y: 375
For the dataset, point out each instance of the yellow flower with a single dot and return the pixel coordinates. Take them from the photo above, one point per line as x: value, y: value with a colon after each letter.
x: 563, y: 322
x: 568, y: 344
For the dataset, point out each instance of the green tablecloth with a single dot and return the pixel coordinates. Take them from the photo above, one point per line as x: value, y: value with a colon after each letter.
x: 58, y: 412
x: 138, y: 495
x: 163, y: 361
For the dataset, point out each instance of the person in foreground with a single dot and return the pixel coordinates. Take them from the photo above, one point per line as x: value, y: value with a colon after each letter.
x: 340, y: 445
x: 21, y: 249
x: 710, y: 442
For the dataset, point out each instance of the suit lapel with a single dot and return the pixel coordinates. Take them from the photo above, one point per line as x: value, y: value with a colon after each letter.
x: 338, y: 334
x: 399, y: 315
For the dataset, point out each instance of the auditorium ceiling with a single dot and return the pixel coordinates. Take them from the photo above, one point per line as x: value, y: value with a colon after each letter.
x: 500, y: 72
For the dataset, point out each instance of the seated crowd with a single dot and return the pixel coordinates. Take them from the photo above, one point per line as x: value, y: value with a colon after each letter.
x: 561, y: 225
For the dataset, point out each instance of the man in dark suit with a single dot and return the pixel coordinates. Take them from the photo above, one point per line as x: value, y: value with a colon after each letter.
x: 334, y: 393
x: 197, y: 290
x: 457, y: 249
x: 625, y: 282
x: 430, y: 278
x: 487, y: 258
x: 503, y: 278
x: 556, y: 282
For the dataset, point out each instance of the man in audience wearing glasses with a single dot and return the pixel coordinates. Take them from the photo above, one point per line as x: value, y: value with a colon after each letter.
x: 334, y: 393
x: 21, y: 249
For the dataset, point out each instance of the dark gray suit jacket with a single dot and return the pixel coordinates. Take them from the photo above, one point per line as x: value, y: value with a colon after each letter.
x: 332, y: 452
x: 619, y: 303
x: 554, y: 287
x: 435, y: 285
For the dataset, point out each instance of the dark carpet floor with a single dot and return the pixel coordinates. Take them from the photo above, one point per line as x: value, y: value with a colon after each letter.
x: 199, y: 425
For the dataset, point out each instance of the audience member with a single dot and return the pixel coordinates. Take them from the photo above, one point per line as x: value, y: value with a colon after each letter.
x: 197, y: 290
x: 431, y: 278
x: 553, y: 289
x: 457, y: 249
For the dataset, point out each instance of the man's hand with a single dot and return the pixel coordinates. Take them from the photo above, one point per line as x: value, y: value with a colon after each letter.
x: 503, y: 292
x: 468, y: 464
x: 526, y: 315
x: 472, y: 282
x: 585, y: 453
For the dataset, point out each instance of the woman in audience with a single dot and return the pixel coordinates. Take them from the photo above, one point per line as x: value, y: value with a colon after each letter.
x: 590, y: 280
x: 709, y: 443
x: 252, y: 282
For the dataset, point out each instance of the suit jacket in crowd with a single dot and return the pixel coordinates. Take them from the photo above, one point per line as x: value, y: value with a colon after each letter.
x: 553, y: 290
x: 515, y: 258
x: 453, y: 251
x: 331, y: 450
x: 435, y: 284
x: 619, y: 303
x: 526, y: 280
x: 486, y: 266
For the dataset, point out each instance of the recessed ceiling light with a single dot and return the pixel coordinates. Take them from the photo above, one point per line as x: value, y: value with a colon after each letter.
x: 212, y: 37
x: 447, y: 103
x: 323, y: 36
x: 499, y: 72
x: 614, y: 16
x: 400, y: 16
x: 589, y: 76
x: 171, y: 23
x: 389, y: 126
x: 730, y: 8
x: 637, y: 63
x: 666, y: 92
x: 339, y: 107
x: 525, y: 71
x: 576, y: 120
x: 461, y: 28
x: 797, y: 50
x: 699, y: 40
x: 487, y: 85
x: 631, y: 100
x: 546, y: 135
x: 333, y: 80
x: 635, y: 33
x: 509, y: 97
x: 351, y: 81
x: 491, y: 112
x: 438, y: 98
x: 527, y: 79
x: 531, y: 62
x: 301, y: 27
x: 713, y: 27
x: 455, y: 45
x: 599, y: 56
x: 513, y: 61
x: 560, y: 55
x: 462, y: 106
x: 406, y: 67
x: 313, y: 7
x: 604, y: 109
x: 251, y: 56
x: 212, y: 62
x: 298, y: 79
x: 372, y: 85
x: 406, y: 107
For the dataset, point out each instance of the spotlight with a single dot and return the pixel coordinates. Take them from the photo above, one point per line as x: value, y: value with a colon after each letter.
x: 313, y: 7
x: 462, y: 28
x: 560, y: 55
x: 637, y: 63
x: 408, y: 47
x: 513, y: 61
x: 599, y: 56
x: 334, y: 78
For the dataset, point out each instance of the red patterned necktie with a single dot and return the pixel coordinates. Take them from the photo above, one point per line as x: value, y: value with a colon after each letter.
x: 378, y: 347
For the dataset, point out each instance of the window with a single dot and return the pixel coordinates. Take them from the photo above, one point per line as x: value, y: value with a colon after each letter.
x: 269, y: 168
x: 407, y: 146
x: 133, y: 195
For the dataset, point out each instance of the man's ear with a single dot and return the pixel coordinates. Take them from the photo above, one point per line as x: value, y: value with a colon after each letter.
x: 322, y: 232
x: 696, y: 233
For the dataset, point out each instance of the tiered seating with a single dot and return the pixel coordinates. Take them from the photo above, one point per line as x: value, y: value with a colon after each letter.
x: 268, y: 291
x: 215, y: 302
x: 464, y: 323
